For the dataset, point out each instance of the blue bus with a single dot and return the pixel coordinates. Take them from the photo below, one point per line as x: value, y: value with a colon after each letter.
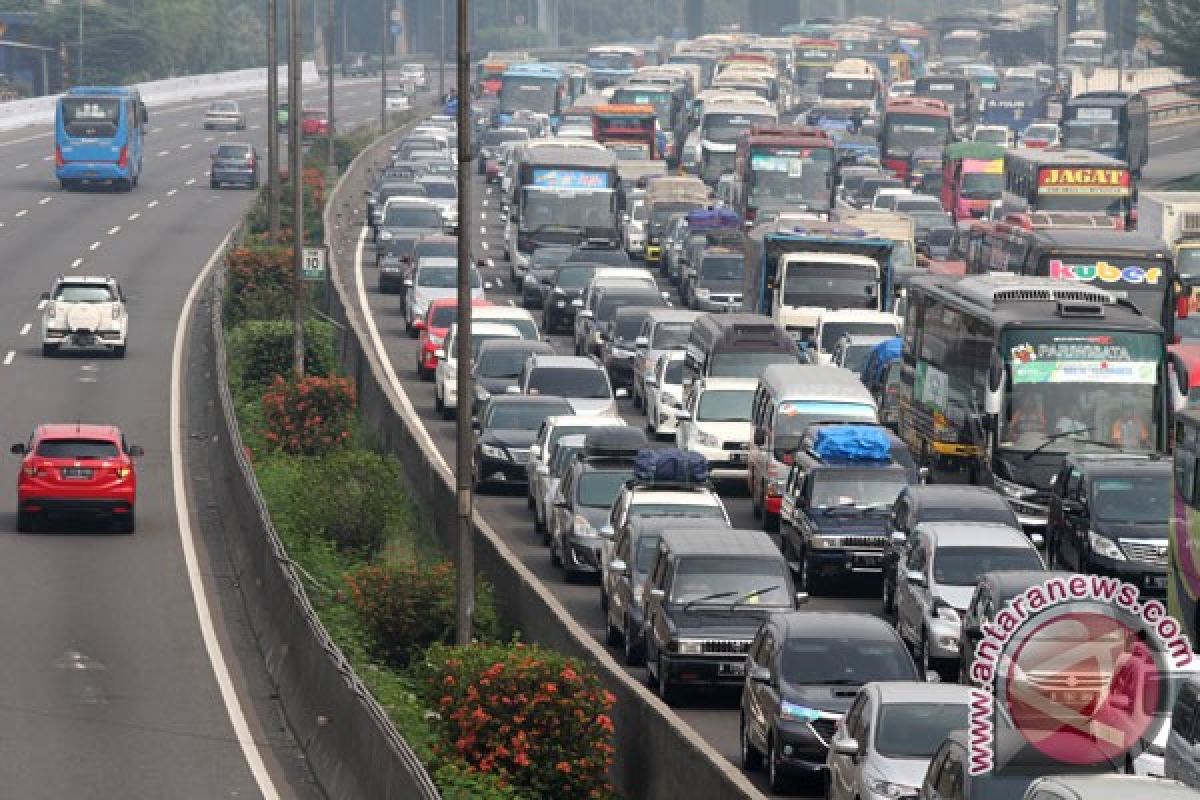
x: 541, y: 88
x: 98, y: 137
x: 1015, y: 109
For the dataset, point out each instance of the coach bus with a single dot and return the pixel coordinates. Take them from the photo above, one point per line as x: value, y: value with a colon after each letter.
x: 1067, y: 180
x: 1115, y: 124
x: 909, y: 123
x: 98, y: 137
x: 540, y: 88
x: 784, y: 167
x: 1003, y: 374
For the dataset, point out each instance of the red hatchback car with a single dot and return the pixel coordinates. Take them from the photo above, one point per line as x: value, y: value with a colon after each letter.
x: 442, y: 314
x: 314, y: 122
x: 76, y: 469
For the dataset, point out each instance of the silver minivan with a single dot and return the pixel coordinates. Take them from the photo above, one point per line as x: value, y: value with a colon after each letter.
x: 788, y: 398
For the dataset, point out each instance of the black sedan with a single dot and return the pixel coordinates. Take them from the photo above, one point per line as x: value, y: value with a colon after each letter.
x: 506, y: 426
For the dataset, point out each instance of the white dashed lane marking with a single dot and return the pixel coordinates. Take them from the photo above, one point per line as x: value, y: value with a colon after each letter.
x: 164, y: 152
x: 8, y: 359
x: 41, y: 304
x: 134, y: 216
x: 189, y: 182
x: 114, y: 230
x: 22, y: 166
x: 22, y: 213
x: 44, y: 200
x: 25, y: 328
x: 172, y: 192
x: 152, y: 204
x: 75, y: 264
x: 94, y: 246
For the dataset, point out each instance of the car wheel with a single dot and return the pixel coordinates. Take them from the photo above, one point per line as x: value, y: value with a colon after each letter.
x: 632, y: 646
x: 612, y: 634
x: 49, y: 350
x: 127, y: 523
x: 921, y: 654
x: 776, y: 779
x: 554, y: 559
x: 755, y: 508
x: 438, y: 405
x: 752, y: 760
x: 25, y: 522
x: 666, y: 690
x: 119, y: 351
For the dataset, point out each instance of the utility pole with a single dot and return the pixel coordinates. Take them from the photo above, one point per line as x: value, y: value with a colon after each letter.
x: 79, y: 80
x: 465, y: 577
x: 329, y: 40
x: 296, y: 176
x: 383, y: 48
x: 273, y: 119
x: 442, y: 55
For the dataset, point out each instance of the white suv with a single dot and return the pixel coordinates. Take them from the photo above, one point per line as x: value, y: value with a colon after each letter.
x: 84, y: 311
x: 716, y: 424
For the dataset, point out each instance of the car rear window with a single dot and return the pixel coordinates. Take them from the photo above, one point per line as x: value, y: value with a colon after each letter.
x: 77, y: 448
x: 232, y: 151
x: 89, y: 293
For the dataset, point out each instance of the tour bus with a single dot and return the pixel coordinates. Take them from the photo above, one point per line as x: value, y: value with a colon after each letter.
x: 724, y: 119
x: 565, y: 193
x: 1004, y: 374
x: 855, y: 84
x: 959, y: 92
x: 98, y: 137
x: 1183, y: 560
x: 1131, y: 265
x: 909, y: 123
x: 1067, y: 180
x: 1115, y: 124
x: 1015, y: 109
x: 706, y: 60
x: 811, y: 59
x: 611, y: 64
x: 540, y: 88
x: 778, y: 167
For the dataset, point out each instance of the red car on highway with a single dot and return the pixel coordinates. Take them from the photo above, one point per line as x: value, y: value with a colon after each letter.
x: 315, y: 122
x: 77, y: 470
x: 442, y: 313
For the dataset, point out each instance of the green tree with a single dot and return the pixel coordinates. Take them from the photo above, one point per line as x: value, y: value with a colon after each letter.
x: 1178, y: 30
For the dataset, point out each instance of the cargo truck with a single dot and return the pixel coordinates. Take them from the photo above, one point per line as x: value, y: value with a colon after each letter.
x: 1175, y: 218
x: 794, y: 273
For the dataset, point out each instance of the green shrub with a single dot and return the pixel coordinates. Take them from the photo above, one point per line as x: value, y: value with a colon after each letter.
x: 409, y: 604
x: 536, y: 717
x: 260, y: 280
x: 259, y: 350
x: 457, y: 780
x: 308, y: 416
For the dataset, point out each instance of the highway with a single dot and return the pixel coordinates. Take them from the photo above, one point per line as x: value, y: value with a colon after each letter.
x: 713, y: 715
x: 107, y: 688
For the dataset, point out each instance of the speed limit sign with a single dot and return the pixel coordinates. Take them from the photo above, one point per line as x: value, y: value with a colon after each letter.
x: 314, y: 267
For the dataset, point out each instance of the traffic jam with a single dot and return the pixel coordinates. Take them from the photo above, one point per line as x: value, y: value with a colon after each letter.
x: 815, y: 354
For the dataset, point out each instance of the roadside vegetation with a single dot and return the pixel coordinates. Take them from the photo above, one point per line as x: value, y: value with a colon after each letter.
x: 500, y: 718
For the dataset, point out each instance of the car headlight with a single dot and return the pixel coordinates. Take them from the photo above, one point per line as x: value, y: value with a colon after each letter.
x: 946, y: 613
x: 385, y: 235
x: 820, y: 541
x: 1012, y: 490
x: 621, y: 352
x: 583, y: 527
x: 419, y: 308
x: 707, y: 439
x: 1105, y: 547
x: 798, y: 713
x: 702, y: 294
x: 491, y: 451
x: 689, y: 647
x: 888, y: 789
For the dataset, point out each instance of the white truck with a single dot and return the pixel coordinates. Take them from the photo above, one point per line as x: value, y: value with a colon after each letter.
x: 1175, y: 218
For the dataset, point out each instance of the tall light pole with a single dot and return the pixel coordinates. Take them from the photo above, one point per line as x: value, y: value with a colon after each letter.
x: 273, y: 119
x: 296, y: 176
x: 329, y: 40
x: 442, y: 55
x: 79, y: 78
x: 383, y: 48
x: 465, y: 574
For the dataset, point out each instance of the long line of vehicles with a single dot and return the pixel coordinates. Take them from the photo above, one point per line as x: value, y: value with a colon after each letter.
x: 906, y: 300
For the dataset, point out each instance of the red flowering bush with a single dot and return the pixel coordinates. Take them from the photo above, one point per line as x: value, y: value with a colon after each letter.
x: 536, y: 717
x: 309, y: 416
x: 259, y: 283
x: 408, y: 605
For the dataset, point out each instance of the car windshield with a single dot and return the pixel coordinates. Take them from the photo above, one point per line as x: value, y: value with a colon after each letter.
x: 609, y: 304
x: 845, y: 660
x: 673, y: 374
x: 910, y: 205
x: 577, y: 382
x: 702, y: 510
x: 722, y: 268
x: 700, y: 577
x: 78, y: 449
x: 745, y: 365
x: 443, y: 316
x: 962, y: 566
x: 1141, y: 499
x: 521, y: 416
x: 571, y: 277
x: 671, y: 335
x: 88, y: 293
x: 982, y: 185
x: 857, y: 488
x: 563, y: 453
x: 598, y: 489
x: 914, y: 730
x: 223, y: 105
x: 725, y: 405
x: 525, y: 326
x: 444, y: 278
x: 399, y: 217
x: 971, y: 510
x: 501, y: 363
x: 549, y: 257
x: 627, y: 326
x: 647, y: 551
x: 832, y: 331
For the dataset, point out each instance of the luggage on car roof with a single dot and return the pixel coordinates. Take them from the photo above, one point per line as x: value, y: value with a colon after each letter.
x: 853, y: 443
x: 671, y: 466
x: 613, y: 441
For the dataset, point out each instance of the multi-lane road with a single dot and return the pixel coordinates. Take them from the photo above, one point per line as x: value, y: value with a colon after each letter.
x: 713, y: 716
x: 112, y: 684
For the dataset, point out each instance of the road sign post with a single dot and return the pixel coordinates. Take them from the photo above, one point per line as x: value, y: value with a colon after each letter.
x: 315, y: 263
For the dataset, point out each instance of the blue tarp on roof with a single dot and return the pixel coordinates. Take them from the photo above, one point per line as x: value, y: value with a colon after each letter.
x: 708, y: 218
x: 853, y: 443
x: 880, y: 356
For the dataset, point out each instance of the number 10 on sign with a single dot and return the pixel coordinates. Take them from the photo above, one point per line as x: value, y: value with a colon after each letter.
x: 314, y: 264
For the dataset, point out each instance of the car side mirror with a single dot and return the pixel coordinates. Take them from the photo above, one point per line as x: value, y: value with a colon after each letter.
x: 617, y: 566
x: 17, y: 449
x: 916, y: 578
x: 898, y: 538
x: 682, y: 415
x: 760, y: 674
x: 801, y: 598
x: 488, y: 284
x: 923, y: 474
x: 136, y: 451
x: 641, y: 342
x: 760, y: 437
x: 606, y: 531
x: 846, y: 747
x: 439, y: 354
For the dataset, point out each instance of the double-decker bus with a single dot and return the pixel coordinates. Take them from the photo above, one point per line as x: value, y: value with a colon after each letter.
x: 628, y: 124
x: 611, y: 64
x: 98, y: 137
x: 1067, y: 180
x: 909, y: 123
x: 1115, y: 124
x: 783, y: 166
x: 1003, y: 374
x: 540, y: 88
x: 565, y: 193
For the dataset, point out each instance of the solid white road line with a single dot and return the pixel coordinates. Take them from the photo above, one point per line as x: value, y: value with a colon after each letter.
x: 189, y: 182
x: 25, y: 328
x: 212, y: 644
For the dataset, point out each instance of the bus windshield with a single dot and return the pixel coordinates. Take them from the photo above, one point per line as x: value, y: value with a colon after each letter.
x: 1070, y: 388
x: 1112, y: 205
x: 946, y: 91
x: 788, y: 177
x: 982, y: 185
x: 847, y: 89
x: 724, y: 128
x: 641, y: 95
x: 904, y: 133
x: 91, y: 117
x: 833, y: 287
x: 1092, y: 134
x: 622, y: 61
x: 528, y: 94
x: 582, y: 209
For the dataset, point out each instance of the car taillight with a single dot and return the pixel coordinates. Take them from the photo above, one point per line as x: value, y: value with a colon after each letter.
x: 123, y: 159
x: 58, y: 157
x: 787, y: 459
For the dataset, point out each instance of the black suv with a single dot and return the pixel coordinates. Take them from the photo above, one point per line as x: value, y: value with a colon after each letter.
x: 497, y: 366
x: 539, y: 278
x: 834, y: 512
x: 707, y: 594
x: 1109, y: 515
x: 565, y: 296
x: 803, y: 671
x: 619, y: 350
x: 506, y: 427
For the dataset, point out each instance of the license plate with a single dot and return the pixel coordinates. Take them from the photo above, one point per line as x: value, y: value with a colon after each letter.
x: 732, y: 670
x: 76, y: 473
x: 868, y: 561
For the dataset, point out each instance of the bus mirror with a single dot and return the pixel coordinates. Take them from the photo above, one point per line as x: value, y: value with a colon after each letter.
x: 1183, y: 306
